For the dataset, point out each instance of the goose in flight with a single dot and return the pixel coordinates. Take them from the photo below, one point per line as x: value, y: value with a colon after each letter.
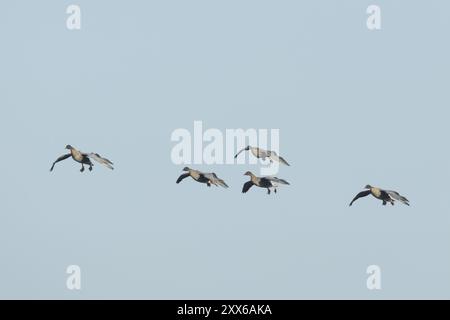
x: 264, y: 154
x: 83, y: 158
x: 263, y: 182
x: 383, y: 195
x: 208, y: 178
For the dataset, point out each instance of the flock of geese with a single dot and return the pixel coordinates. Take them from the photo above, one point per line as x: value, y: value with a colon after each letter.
x: 262, y: 182
x: 267, y: 182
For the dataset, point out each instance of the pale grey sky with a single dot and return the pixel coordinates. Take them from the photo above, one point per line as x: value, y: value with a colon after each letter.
x: 353, y: 107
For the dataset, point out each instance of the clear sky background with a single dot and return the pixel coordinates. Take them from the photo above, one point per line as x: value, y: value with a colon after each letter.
x: 353, y: 107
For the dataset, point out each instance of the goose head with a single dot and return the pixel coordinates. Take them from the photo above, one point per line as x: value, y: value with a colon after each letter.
x: 186, y: 169
x: 248, y: 173
x: 368, y: 186
x: 69, y: 147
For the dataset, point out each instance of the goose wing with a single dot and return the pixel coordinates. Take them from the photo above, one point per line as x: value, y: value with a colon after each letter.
x: 275, y: 157
x: 360, y: 195
x: 394, y: 195
x: 64, y: 157
x: 266, y: 182
x: 101, y: 160
x: 239, y: 153
x: 214, y: 179
x: 182, y: 177
x: 277, y: 180
x: 247, y: 186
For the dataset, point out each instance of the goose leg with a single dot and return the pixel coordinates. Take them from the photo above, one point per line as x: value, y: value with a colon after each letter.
x: 268, y: 191
x: 208, y: 184
x: 90, y: 167
x: 384, y: 203
x: 275, y: 190
x: 82, y: 168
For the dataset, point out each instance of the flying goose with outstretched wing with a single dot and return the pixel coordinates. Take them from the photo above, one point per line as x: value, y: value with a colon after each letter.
x: 263, y: 154
x: 383, y: 195
x: 201, y: 177
x: 84, y: 159
x: 263, y: 182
